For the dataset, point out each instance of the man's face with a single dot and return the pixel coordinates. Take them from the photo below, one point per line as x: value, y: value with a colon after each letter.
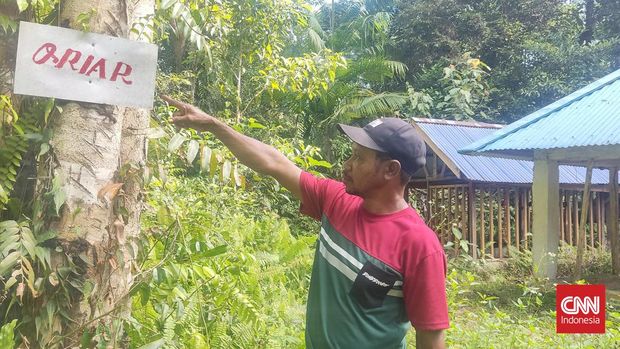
x: 362, y: 172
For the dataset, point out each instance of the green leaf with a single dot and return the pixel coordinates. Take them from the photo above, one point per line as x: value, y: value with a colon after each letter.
x: 205, y: 159
x: 22, y: 5
x: 9, y: 262
x: 226, y: 169
x: 59, y: 199
x: 192, y: 150
x: 176, y: 142
x: 216, y: 251
x: 154, y: 344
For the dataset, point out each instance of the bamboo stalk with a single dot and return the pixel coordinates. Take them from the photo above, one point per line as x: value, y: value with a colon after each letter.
x: 576, y: 216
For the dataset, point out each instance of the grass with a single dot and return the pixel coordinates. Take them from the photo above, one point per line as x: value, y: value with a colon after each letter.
x: 502, y: 305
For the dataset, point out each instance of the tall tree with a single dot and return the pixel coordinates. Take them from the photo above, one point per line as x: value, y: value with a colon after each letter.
x: 98, y: 154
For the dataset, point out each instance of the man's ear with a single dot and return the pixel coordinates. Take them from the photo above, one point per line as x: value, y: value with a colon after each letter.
x: 392, y: 170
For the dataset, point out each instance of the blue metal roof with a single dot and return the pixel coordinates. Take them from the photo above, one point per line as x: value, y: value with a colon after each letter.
x: 587, y: 117
x: 449, y: 136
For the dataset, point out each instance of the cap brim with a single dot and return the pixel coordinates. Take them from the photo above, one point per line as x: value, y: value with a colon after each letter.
x: 359, y: 136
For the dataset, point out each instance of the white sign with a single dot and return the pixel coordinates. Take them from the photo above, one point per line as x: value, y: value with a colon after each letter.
x: 69, y: 64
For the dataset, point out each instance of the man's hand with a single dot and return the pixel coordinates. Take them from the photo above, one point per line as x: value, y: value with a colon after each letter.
x: 254, y: 154
x: 189, y: 116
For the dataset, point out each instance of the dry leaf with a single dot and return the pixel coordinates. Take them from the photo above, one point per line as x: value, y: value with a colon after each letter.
x: 109, y: 191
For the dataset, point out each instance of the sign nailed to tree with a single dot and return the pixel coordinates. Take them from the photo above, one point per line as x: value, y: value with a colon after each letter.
x: 69, y: 64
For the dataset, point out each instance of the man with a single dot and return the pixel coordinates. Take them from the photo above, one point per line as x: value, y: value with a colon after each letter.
x: 377, y: 266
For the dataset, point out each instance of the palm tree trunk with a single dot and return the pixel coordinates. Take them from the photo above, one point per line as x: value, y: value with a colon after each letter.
x: 96, y: 148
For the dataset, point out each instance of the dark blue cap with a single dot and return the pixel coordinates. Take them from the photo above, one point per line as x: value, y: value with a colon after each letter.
x: 392, y: 136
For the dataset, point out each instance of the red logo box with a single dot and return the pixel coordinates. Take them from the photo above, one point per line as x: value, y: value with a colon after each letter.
x: 580, y: 308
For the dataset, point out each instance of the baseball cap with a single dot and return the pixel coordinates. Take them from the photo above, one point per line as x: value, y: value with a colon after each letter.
x: 393, y: 136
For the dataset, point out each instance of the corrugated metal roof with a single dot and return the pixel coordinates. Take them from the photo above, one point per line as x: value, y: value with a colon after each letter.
x: 587, y: 117
x: 450, y: 136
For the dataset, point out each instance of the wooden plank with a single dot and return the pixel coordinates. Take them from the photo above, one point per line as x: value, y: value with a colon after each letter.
x: 581, y: 233
x: 449, y: 235
x: 500, y: 226
x: 483, y: 200
x: 528, y: 221
x: 507, y: 219
x: 612, y: 229
x: 562, y: 216
x: 591, y: 221
x: 599, y: 219
x: 569, y: 220
x: 464, y: 214
x: 492, y: 223
x: 606, y: 226
x: 442, y: 214
x: 471, y: 218
x: 518, y: 219
x: 576, y: 217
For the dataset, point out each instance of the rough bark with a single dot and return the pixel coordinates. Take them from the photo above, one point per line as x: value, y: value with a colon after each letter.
x: 91, y: 143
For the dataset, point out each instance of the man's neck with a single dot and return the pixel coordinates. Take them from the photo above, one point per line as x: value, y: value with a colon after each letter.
x: 385, y: 203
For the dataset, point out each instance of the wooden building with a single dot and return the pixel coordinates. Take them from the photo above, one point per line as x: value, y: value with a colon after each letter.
x: 487, y: 201
x: 580, y: 129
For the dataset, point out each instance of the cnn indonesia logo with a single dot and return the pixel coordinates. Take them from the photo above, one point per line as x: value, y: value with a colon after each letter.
x: 580, y: 309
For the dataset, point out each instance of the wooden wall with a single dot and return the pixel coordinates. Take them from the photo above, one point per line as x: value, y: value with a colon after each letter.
x: 497, y: 220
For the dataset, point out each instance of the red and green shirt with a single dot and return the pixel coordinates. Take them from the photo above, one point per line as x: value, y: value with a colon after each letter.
x: 372, y: 275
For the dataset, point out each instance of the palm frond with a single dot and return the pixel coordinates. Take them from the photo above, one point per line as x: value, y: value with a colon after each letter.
x: 368, y: 104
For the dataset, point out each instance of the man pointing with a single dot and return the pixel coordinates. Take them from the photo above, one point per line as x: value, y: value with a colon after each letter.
x: 377, y: 268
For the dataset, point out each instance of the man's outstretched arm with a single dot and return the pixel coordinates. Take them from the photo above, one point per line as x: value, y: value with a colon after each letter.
x: 256, y: 155
x: 430, y: 339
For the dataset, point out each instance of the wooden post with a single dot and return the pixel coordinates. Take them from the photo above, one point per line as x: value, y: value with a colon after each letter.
x: 482, y: 223
x: 606, y: 226
x: 581, y: 232
x: 526, y: 214
x: 500, y: 225
x: 492, y: 224
x: 576, y: 216
x: 471, y: 218
x: 562, y: 216
x: 599, y: 219
x: 546, y: 209
x: 449, y: 214
x: 507, y: 216
x: 464, y: 213
x: 569, y: 216
x: 591, y: 222
x: 518, y: 218
x: 442, y: 214
x: 613, y: 220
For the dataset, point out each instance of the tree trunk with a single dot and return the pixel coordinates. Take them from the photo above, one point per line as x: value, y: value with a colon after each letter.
x: 97, y: 149
x: 587, y: 35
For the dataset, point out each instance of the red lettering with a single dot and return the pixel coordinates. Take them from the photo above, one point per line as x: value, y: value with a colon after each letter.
x: 86, y: 64
x: 50, y: 49
x: 100, y: 66
x: 126, y: 72
x: 65, y: 57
